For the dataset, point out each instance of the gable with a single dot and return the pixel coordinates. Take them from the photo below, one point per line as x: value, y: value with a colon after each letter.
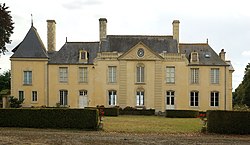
x: 140, y: 52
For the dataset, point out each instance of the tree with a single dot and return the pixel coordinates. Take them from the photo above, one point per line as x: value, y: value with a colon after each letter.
x: 6, y: 27
x: 5, y: 81
x: 242, y: 92
x: 14, y: 102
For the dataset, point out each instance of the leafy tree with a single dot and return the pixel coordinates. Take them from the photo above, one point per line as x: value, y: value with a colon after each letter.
x: 15, y: 103
x: 6, y: 27
x: 242, y: 92
x: 5, y: 81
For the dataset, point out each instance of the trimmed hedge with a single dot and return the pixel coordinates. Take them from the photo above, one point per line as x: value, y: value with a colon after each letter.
x: 182, y: 113
x: 228, y: 122
x: 50, y: 118
x: 113, y: 111
x: 134, y: 111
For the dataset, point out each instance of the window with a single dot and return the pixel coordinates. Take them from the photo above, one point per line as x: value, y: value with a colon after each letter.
x: 214, y: 75
x: 170, y: 98
x: 214, y: 99
x: 27, y: 77
x: 140, y: 73
x: 83, y: 93
x: 170, y: 74
x: 139, y: 98
x: 112, y: 97
x: 20, y: 95
x: 63, y: 97
x: 194, y: 57
x: 63, y: 74
x: 112, y: 74
x: 194, y: 75
x: 83, y: 74
x: 194, y: 98
x: 34, y: 96
x: 83, y: 55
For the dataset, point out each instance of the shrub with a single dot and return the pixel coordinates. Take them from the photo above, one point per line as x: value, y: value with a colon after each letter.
x: 228, y: 122
x: 182, y: 113
x: 134, y: 111
x: 49, y: 118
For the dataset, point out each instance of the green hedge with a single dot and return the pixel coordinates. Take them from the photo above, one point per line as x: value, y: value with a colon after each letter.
x: 228, y: 122
x: 49, y: 118
x: 135, y: 111
x: 182, y: 113
x: 113, y: 111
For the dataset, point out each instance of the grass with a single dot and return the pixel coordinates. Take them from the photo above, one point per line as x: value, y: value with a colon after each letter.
x: 152, y: 124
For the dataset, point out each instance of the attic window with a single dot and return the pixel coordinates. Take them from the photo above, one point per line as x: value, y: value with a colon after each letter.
x: 207, y: 55
x: 194, y: 57
x: 83, y: 55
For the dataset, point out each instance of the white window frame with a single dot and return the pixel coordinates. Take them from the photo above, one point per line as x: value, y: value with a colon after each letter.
x: 171, y: 96
x: 194, y: 75
x: 112, y: 70
x: 27, y: 77
x: 83, y: 92
x: 214, y: 99
x: 194, y: 98
x: 63, y: 97
x: 63, y: 74
x: 215, y: 75
x: 112, y: 97
x: 83, y: 74
x: 34, y: 96
x: 140, y: 98
x: 140, y: 73
x: 170, y: 74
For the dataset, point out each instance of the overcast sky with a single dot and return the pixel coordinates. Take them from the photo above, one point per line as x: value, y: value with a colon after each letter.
x: 225, y: 23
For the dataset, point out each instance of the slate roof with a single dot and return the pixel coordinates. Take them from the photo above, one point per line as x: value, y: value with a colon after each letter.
x: 207, y: 56
x: 31, y: 46
x: 69, y: 53
x: 122, y: 43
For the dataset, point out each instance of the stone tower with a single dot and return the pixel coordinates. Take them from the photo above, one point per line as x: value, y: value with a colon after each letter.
x: 51, y: 35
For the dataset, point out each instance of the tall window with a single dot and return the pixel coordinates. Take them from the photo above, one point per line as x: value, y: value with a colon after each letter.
x: 83, y: 74
x: 84, y: 54
x: 170, y: 97
x: 112, y: 97
x: 140, y: 98
x: 214, y: 99
x: 194, y: 75
x: 63, y: 97
x: 112, y: 74
x: 140, y: 73
x: 194, y: 57
x: 20, y: 95
x: 34, y: 96
x: 27, y: 77
x: 170, y: 74
x: 214, y: 75
x: 63, y: 74
x: 194, y: 98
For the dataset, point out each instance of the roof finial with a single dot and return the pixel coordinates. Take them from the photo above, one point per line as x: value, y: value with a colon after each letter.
x: 31, y: 20
x: 207, y: 40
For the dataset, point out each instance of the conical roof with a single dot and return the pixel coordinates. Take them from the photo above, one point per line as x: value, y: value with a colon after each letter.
x: 31, y: 46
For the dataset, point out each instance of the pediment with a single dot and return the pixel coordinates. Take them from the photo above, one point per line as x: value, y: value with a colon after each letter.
x: 140, y: 52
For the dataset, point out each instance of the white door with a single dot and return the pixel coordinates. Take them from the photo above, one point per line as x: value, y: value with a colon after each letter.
x: 170, y: 100
x: 83, y: 101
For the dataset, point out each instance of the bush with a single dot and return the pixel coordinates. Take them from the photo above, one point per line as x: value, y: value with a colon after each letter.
x: 49, y: 118
x: 228, y: 122
x: 134, y: 111
x: 182, y: 113
x: 114, y: 111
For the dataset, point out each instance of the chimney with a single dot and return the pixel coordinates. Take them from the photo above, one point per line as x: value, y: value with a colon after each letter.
x: 176, y: 30
x: 51, y: 35
x: 222, y: 54
x: 103, y: 29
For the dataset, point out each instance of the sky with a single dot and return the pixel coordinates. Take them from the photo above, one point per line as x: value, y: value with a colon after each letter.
x: 225, y: 23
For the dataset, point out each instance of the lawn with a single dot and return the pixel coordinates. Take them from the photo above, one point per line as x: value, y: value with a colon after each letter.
x: 151, y: 124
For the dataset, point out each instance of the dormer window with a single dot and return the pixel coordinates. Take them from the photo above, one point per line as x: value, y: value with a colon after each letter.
x: 194, y: 57
x: 83, y: 56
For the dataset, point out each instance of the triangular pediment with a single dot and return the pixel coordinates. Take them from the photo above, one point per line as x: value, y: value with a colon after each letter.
x: 140, y: 52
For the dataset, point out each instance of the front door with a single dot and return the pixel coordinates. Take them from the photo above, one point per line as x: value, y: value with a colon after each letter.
x: 170, y: 100
x: 83, y: 99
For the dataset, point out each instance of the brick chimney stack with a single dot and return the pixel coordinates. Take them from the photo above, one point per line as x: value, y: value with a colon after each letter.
x: 176, y: 32
x: 51, y: 35
x: 222, y: 54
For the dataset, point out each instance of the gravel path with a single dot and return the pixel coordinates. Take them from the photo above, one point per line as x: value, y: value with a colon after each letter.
x: 31, y: 136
